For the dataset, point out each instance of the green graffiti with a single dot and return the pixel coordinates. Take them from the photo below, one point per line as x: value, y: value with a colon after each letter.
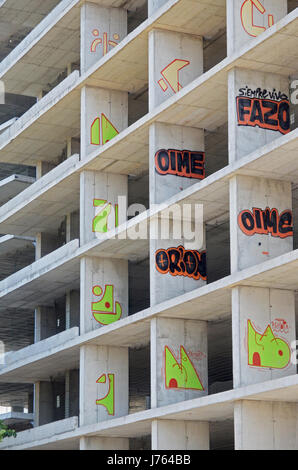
x: 108, y: 401
x: 108, y: 130
x: 181, y: 375
x: 100, y: 221
x: 95, y: 132
x: 103, y: 310
x: 266, y: 350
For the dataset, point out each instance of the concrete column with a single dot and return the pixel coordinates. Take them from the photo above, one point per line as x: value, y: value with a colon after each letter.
x: 179, y: 369
x: 168, y: 434
x: 175, y: 59
x: 72, y: 226
x: 43, y: 403
x: 45, y: 244
x: 104, y: 292
x: 247, y: 19
x: 104, y: 113
x: 261, y: 225
x: 261, y: 425
x: 101, y: 30
x: 43, y: 167
x: 72, y: 309
x: 103, y: 383
x: 263, y: 328
x: 104, y: 443
x: 45, y: 323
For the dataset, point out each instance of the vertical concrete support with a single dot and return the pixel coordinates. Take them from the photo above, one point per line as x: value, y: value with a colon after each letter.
x: 179, y: 435
x: 45, y: 244
x: 105, y: 306
x: 45, y: 323
x: 72, y: 309
x: 104, y: 113
x: 176, y: 159
x: 101, y: 30
x: 43, y: 403
x: 263, y: 324
x: 103, y: 383
x: 179, y: 369
x: 43, y: 167
x: 104, y: 443
x: 259, y: 110
x: 175, y: 59
x: 72, y: 226
x: 261, y: 225
x: 261, y: 425
x: 247, y: 19
x: 103, y: 203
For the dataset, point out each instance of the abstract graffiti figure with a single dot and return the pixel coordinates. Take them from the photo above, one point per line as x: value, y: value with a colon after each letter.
x: 108, y: 401
x: 108, y: 131
x: 104, y: 41
x: 266, y: 221
x: 180, y: 375
x: 266, y: 350
x: 100, y: 221
x: 247, y: 17
x: 103, y: 310
x: 171, y: 75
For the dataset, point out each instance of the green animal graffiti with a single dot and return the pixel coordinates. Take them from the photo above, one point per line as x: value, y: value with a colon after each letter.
x: 181, y: 375
x: 103, y: 310
x: 266, y: 350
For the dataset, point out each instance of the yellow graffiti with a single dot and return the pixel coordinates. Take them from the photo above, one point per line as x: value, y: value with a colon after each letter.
x: 247, y: 17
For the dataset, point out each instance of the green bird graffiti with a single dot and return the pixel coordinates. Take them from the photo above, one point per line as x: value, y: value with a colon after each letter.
x: 266, y: 350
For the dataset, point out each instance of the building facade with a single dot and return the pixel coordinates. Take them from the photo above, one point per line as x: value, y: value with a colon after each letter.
x: 149, y: 192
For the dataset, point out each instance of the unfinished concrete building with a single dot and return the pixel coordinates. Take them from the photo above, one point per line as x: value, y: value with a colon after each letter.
x: 114, y: 335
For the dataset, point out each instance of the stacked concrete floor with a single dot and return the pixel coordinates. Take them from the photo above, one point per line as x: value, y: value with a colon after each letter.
x: 115, y: 335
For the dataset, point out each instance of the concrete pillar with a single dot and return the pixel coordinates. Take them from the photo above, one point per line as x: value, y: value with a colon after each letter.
x: 176, y: 159
x: 72, y: 226
x: 261, y: 225
x: 43, y: 403
x: 103, y: 383
x: 104, y: 443
x: 168, y: 434
x: 247, y: 19
x: 45, y: 323
x: 72, y: 309
x: 263, y: 328
x: 45, y: 244
x: 101, y: 30
x: 261, y: 425
x: 175, y: 59
x: 179, y: 369
x: 43, y: 167
x: 104, y: 292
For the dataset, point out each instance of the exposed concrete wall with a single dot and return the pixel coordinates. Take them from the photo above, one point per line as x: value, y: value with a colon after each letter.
x: 176, y: 435
x: 112, y: 363
x: 263, y: 329
x: 43, y: 403
x: 167, y: 338
x: 261, y: 425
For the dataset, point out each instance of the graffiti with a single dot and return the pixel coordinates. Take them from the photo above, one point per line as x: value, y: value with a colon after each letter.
x: 180, y: 163
x: 181, y: 375
x: 108, y: 401
x: 262, y: 93
x: 105, y: 311
x: 108, y: 131
x: 266, y: 350
x: 280, y: 326
x: 181, y: 262
x: 100, y: 221
x: 266, y: 221
x: 265, y: 113
x: 104, y: 41
x: 247, y: 17
x: 171, y: 75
